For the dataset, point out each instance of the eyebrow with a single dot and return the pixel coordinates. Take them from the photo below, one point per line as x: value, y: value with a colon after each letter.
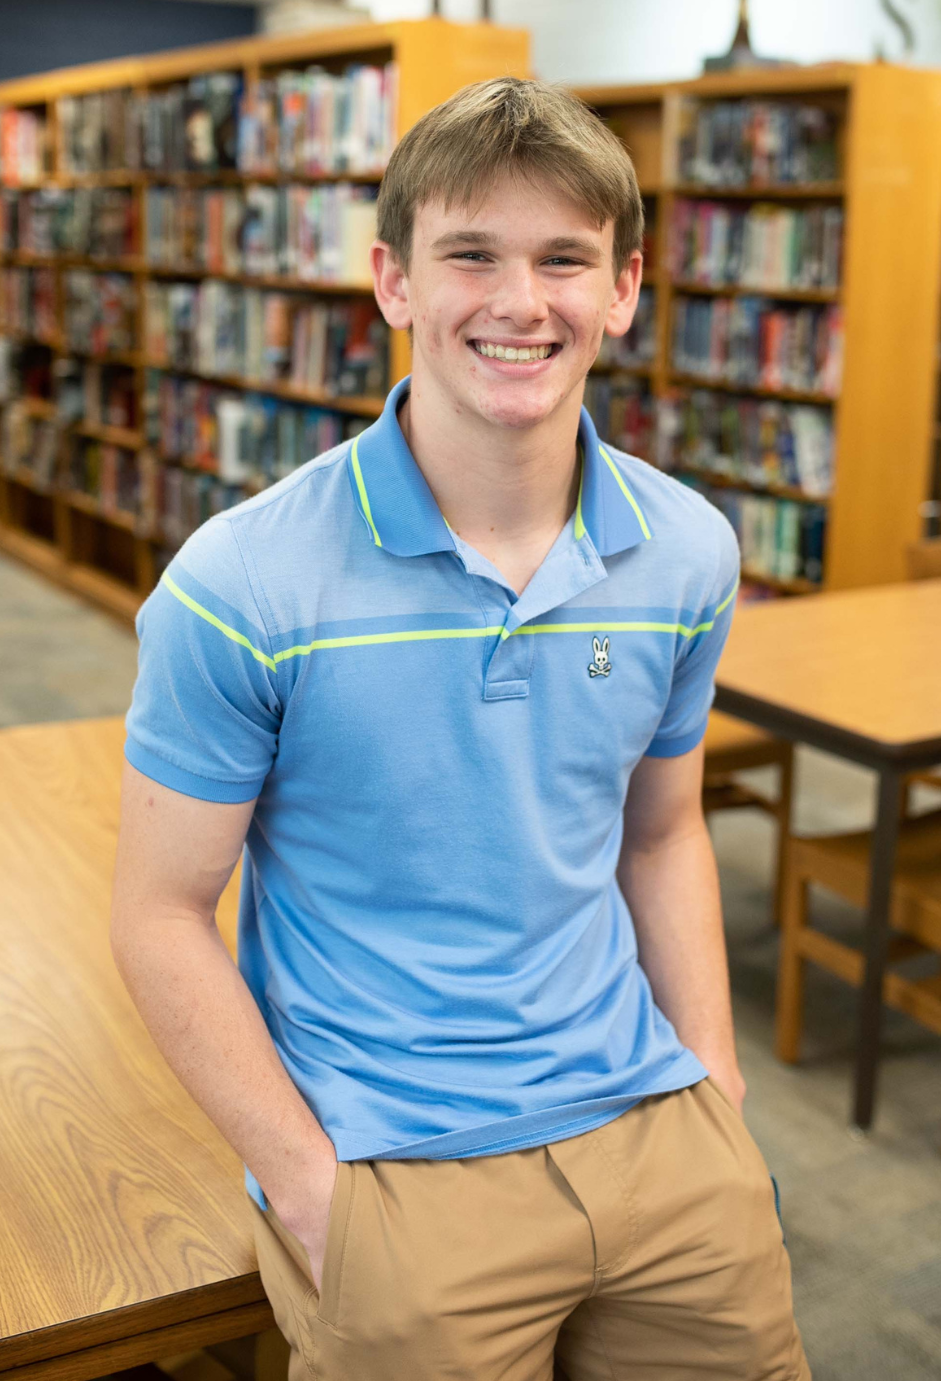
x: 461, y: 239
x: 479, y: 239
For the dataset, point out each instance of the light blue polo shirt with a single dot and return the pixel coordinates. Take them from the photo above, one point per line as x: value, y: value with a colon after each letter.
x: 429, y: 918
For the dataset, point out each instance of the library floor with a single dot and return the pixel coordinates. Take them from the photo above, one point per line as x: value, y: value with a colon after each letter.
x: 863, y: 1214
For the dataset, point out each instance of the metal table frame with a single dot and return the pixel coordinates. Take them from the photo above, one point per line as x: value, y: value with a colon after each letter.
x: 891, y: 762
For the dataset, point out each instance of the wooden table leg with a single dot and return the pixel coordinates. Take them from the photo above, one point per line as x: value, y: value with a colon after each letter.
x: 881, y: 870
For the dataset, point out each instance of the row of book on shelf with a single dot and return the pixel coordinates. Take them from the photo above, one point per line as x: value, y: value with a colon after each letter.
x: 309, y: 122
x: 100, y: 222
x: 309, y: 232
x: 220, y: 328
x: 206, y: 449
x: 765, y: 443
x: 758, y: 143
x: 211, y: 327
x: 750, y: 341
x: 241, y: 438
x: 756, y: 343
x: 316, y: 122
x: 321, y: 232
x: 760, y: 246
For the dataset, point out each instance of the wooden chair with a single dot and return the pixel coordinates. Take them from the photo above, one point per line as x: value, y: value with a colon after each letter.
x: 840, y: 863
x: 733, y: 746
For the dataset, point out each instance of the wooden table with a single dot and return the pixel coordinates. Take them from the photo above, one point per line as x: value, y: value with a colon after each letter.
x: 125, y: 1230
x: 855, y: 673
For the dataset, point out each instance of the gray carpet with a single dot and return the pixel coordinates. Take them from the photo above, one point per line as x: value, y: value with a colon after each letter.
x: 863, y: 1215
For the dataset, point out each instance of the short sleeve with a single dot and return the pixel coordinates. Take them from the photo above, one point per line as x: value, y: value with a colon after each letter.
x: 205, y: 713
x: 683, y: 724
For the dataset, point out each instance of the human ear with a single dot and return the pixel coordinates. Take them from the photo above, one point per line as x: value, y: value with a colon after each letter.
x: 626, y: 293
x: 390, y: 284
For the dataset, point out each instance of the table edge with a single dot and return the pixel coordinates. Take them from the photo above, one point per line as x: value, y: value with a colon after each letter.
x: 823, y: 734
x: 127, y: 1321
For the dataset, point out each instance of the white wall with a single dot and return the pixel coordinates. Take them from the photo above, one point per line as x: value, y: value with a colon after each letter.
x: 647, y: 40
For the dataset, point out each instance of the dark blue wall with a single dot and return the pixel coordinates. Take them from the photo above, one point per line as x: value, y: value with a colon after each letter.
x: 36, y: 35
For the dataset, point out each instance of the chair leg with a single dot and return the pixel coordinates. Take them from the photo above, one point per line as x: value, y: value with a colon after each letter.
x: 783, y: 814
x: 789, y: 1010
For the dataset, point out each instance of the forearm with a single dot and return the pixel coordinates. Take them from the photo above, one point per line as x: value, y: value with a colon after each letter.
x: 672, y: 889
x: 208, y: 1028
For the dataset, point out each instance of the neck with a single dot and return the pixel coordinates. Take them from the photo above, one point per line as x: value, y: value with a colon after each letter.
x: 497, y: 487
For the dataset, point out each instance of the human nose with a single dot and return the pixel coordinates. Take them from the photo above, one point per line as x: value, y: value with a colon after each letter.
x: 519, y: 296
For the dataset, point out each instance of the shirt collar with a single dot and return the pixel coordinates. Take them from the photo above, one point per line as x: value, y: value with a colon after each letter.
x: 401, y: 514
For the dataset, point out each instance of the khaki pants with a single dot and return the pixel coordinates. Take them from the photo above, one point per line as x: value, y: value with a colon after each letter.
x: 647, y: 1250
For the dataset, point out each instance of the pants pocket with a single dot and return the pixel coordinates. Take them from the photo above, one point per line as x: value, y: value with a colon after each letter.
x: 338, y: 1228
x: 711, y: 1083
x: 777, y: 1208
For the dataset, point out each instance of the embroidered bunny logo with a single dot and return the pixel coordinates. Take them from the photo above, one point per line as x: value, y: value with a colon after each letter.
x: 601, y: 666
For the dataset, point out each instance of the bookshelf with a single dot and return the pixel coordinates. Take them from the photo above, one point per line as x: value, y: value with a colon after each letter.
x: 182, y: 255
x: 793, y: 279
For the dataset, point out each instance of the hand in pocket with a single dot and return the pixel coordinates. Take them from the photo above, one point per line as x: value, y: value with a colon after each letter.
x: 309, y: 1222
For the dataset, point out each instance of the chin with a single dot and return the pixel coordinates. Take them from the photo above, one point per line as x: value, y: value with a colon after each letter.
x: 518, y: 409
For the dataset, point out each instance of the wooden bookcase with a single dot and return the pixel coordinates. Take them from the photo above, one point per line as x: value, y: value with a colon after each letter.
x: 110, y: 556
x: 889, y: 151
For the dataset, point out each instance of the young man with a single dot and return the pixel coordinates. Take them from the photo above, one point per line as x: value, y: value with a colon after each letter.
x: 449, y: 684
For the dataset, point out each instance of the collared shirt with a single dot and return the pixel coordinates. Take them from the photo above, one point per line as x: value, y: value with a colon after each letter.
x: 429, y: 920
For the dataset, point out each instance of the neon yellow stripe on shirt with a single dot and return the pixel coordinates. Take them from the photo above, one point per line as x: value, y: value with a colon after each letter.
x: 361, y: 487
x: 626, y: 492
x: 726, y: 602
x: 415, y: 635
x: 216, y: 623
x: 580, y: 528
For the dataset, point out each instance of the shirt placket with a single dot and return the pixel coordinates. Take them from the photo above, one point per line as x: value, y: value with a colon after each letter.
x: 565, y: 573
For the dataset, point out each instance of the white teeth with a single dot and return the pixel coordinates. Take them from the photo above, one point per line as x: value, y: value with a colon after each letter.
x: 513, y: 352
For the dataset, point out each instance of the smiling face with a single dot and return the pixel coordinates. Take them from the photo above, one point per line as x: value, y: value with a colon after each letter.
x: 508, y: 300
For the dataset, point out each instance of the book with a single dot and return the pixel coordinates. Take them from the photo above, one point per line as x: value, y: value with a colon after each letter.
x: 22, y: 146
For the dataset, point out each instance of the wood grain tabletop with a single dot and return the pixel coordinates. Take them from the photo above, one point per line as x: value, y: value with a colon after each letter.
x: 122, y: 1209
x: 865, y: 662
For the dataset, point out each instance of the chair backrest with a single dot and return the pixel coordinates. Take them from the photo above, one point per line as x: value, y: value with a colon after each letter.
x: 924, y: 559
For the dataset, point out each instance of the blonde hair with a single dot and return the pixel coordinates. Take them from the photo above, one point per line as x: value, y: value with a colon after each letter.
x: 527, y: 129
